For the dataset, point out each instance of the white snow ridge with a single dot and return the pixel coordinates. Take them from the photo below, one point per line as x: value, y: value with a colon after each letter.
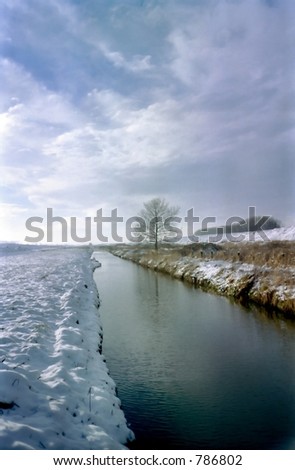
x: 55, y: 391
x: 283, y: 233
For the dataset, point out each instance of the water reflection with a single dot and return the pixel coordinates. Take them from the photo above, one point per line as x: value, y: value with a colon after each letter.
x: 194, y: 370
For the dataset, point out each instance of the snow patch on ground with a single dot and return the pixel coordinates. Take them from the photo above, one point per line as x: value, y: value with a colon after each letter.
x: 55, y: 390
x: 284, y: 233
x: 277, y: 234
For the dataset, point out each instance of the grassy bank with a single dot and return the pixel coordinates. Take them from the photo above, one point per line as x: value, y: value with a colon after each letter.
x: 263, y: 273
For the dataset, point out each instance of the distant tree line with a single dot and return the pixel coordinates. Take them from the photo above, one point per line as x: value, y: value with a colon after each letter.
x: 244, y: 225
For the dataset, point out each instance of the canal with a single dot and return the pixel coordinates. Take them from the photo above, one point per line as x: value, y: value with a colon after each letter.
x: 194, y: 370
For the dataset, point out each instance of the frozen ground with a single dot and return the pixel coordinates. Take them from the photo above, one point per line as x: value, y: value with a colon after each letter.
x: 55, y: 391
x: 283, y: 234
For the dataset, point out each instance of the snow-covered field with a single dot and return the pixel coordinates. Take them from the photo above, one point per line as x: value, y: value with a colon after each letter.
x: 55, y: 391
x: 284, y: 233
x: 280, y: 234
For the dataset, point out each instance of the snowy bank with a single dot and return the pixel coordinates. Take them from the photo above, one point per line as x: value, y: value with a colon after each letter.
x: 270, y: 285
x: 55, y: 390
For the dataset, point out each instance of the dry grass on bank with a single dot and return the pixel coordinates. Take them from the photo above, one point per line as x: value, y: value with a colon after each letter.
x: 274, y: 254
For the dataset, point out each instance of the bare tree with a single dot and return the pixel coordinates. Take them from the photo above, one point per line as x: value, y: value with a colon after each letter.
x: 158, y: 215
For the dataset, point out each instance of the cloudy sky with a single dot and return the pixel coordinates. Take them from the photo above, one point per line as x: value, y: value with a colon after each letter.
x: 109, y: 103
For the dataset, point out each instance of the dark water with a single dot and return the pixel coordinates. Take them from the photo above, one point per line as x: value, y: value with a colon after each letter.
x: 193, y: 370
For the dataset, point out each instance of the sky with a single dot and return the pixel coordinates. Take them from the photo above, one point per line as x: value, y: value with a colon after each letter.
x: 109, y: 103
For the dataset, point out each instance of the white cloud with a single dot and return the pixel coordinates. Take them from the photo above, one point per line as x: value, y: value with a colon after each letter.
x: 8, y: 121
x: 235, y: 59
x: 10, y: 209
x: 233, y: 46
x: 12, y: 176
x: 219, y: 90
x: 136, y: 64
x: 144, y: 136
x: 12, y: 222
